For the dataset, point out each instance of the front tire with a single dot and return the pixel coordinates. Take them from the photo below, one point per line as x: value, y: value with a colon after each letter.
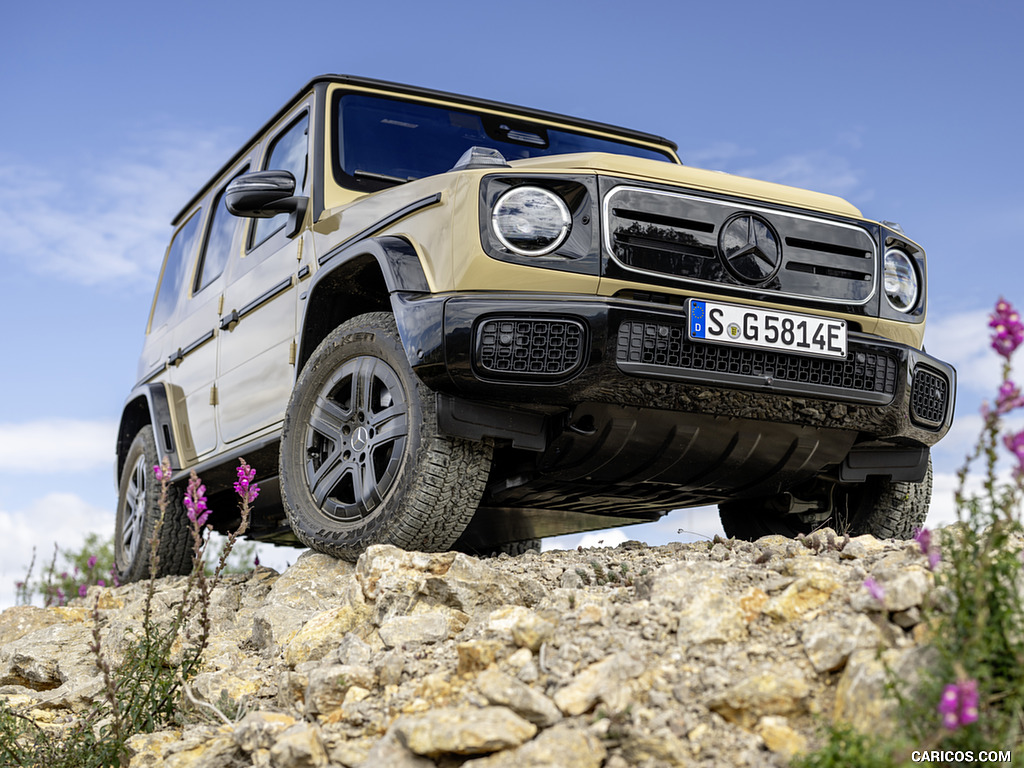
x: 883, y: 508
x: 138, y: 512
x: 362, y: 459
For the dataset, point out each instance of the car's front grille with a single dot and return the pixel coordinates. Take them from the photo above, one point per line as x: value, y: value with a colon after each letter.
x: 527, y: 348
x: 929, y: 397
x: 677, y: 236
x: 643, y: 345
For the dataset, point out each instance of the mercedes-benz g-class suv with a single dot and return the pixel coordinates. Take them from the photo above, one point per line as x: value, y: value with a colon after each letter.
x: 443, y: 322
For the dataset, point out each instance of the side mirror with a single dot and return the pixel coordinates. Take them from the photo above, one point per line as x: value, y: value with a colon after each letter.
x: 265, y: 194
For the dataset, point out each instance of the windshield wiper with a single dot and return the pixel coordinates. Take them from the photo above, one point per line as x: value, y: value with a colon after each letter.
x: 382, y: 177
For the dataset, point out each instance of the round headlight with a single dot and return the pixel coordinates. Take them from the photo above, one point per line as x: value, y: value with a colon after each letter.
x: 531, y: 221
x: 900, y: 280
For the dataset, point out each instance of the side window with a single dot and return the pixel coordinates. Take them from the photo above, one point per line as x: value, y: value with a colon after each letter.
x: 289, y: 152
x: 179, y: 257
x: 218, y: 243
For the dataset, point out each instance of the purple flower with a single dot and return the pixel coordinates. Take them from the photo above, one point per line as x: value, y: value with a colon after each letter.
x: 959, y: 704
x: 92, y: 562
x: 244, y: 486
x: 1008, y: 331
x: 923, y: 537
x: 101, y: 582
x: 1009, y: 398
x: 256, y: 562
x: 158, y: 472
x: 874, y: 589
x: 195, y: 501
x: 1015, y: 444
x: 83, y: 590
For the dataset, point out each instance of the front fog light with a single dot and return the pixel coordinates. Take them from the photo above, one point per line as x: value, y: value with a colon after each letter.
x: 531, y: 221
x: 900, y: 280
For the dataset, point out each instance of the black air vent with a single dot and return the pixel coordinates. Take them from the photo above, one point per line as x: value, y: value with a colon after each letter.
x: 649, y: 344
x: 529, y: 348
x: 929, y: 397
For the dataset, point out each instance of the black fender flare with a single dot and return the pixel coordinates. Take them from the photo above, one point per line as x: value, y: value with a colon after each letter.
x: 397, y: 263
x: 147, y: 404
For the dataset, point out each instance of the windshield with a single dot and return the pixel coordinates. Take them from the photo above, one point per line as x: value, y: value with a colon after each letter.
x: 379, y: 141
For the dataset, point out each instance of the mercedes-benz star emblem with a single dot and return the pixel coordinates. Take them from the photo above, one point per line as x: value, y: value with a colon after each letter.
x: 750, y: 248
x: 360, y: 438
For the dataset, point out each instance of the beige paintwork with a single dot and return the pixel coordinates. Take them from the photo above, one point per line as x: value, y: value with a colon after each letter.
x: 211, y: 393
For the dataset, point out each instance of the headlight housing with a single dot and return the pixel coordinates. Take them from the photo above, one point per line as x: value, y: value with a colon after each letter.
x: 531, y: 221
x: 899, y: 279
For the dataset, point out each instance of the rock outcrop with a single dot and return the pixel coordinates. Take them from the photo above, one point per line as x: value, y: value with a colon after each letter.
x: 707, y: 654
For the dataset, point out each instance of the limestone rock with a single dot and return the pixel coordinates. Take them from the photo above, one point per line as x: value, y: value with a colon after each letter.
x: 502, y: 690
x: 698, y: 595
x: 463, y: 731
x: 430, y: 627
x: 557, y: 747
x: 603, y: 680
x: 780, y: 738
x: 259, y: 730
x: 765, y: 691
x: 300, y: 746
x: 829, y: 642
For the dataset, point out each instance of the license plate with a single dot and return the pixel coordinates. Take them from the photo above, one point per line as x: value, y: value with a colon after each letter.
x: 766, y: 329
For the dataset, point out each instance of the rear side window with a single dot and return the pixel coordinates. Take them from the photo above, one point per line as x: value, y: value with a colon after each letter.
x: 218, y: 243
x: 179, y: 257
x: 288, y: 153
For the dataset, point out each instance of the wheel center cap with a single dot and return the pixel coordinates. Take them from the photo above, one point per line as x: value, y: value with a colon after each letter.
x: 360, y: 438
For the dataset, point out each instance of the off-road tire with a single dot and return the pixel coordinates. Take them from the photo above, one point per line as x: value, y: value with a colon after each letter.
x: 883, y: 508
x: 398, y: 480
x: 138, y: 513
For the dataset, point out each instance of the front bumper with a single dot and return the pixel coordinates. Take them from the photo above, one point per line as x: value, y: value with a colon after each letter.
x: 562, y: 352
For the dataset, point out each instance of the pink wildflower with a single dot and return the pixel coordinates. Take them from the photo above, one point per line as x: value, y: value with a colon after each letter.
x: 1008, y: 330
x: 244, y: 486
x: 1015, y: 444
x: 959, y: 704
x: 923, y: 537
x: 874, y: 589
x: 158, y: 473
x: 1010, y: 398
x: 195, y: 501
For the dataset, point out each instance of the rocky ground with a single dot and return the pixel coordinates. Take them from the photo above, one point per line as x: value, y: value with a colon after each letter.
x: 706, y: 654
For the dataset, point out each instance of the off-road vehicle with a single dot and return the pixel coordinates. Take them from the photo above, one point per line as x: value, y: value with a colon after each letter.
x: 443, y: 322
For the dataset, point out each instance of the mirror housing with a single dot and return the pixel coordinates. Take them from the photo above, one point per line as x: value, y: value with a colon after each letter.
x: 265, y: 194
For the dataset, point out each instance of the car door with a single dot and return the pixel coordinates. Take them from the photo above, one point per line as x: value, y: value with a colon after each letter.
x: 193, y: 368
x: 258, y: 325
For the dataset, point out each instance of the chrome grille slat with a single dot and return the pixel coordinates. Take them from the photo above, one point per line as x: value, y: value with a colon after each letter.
x: 675, y: 235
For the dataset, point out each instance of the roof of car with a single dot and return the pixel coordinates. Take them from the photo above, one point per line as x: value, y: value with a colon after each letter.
x: 399, y: 88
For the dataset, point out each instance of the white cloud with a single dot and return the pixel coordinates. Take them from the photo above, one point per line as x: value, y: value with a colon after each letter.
x: 108, y: 219
x: 61, y: 518
x: 816, y: 170
x: 962, y: 339
x: 56, y: 445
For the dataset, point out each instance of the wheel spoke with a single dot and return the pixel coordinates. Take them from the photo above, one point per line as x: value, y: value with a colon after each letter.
x: 324, y: 479
x: 390, y: 424
x: 362, y: 384
x: 328, y: 418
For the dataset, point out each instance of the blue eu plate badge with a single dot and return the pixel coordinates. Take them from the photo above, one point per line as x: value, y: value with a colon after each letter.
x: 698, y: 316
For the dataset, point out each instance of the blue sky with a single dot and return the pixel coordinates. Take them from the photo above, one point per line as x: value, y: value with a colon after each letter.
x: 115, y: 113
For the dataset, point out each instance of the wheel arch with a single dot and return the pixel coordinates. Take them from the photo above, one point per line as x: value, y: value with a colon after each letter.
x: 148, y: 404
x: 366, y: 276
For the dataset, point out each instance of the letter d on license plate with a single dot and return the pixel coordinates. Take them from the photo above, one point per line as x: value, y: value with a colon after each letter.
x: 766, y: 329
